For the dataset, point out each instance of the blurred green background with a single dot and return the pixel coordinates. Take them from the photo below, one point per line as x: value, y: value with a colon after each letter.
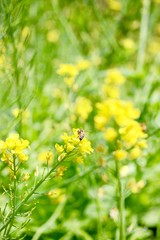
x: 35, y: 38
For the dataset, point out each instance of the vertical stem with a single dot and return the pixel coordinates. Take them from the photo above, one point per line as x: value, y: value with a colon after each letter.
x: 14, y: 198
x: 121, y: 204
x: 16, y: 73
x: 143, y: 34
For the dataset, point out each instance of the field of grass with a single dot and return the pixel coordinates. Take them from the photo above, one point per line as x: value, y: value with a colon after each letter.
x: 80, y: 119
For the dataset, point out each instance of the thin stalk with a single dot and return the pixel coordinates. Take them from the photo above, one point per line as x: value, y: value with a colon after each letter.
x: 16, y: 70
x: 7, y: 231
x: 121, y: 204
x: 143, y: 34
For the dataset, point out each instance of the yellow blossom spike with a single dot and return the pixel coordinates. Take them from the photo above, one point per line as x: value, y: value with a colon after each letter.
x: 59, y: 148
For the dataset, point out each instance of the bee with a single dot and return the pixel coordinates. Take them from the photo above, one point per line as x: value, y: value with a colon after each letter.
x: 81, y: 134
x: 143, y: 126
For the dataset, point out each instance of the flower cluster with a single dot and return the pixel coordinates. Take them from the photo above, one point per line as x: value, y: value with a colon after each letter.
x: 73, y: 143
x: 70, y: 71
x: 83, y: 107
x: 13, y: 147
x: 112, y: 83
x: 121, y: 118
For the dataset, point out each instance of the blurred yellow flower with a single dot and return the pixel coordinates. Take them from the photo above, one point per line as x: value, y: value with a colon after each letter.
x: 122, y: 112
x: 79, y: 160
x: 67, y: 70
x: 83, y: 64
x: 132, y: 134
x: 25, y: 31
x: 110, y: 134
x: 69, y: 81
x: 69, y: 147
x: 24, y: 114
x: 135, y: 153
x: 59, y: 148
x: 60, y: 171
x: 14, y: 146
x: 26, y: 176
x: 128, y: 44
x: 57, y: 195
x: 3, y: 146
x: 100, y: 122
x: 111, y: 91
x: 61, y: 156
x: 134, y: 186
x: 153, y: 46
x: 120, y: 154
x: 85, y: 146
x: 114, y: 5
x: 114, y: 76
x: 142, y: 144
x: 46, y: 156
x: 156, y: 1
x: 83, y: 107
x: 53, y: 36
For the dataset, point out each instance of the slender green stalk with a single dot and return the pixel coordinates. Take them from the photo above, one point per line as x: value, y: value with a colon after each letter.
x: 14, y: 192
x: 121, y: 204
x: 143, y: 34
x: 16, y: 71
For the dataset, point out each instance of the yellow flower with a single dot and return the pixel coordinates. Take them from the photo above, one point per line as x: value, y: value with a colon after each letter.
x: 59, y: 148
x: 128, y: 44
x: 22, y: 157
x: 14, y: 146
x: 85, y: 146
x: 55, y: 193
x: 67, y: 70
x: 53, y: 36
x: 142, y: 144
x: 132, y: 133
x: 83, y: 64
x: 110, y: 134
x: 100, y: 122
x: 25, y: 31
x: 60, y: 171
x: 26, y: 176
x: 6, y: 157
x: 69, y: 147
x: 120, y: 154
x: 135, y: 187
x: 73, y: 143
x: 114, y: 76
x: 46, y: 156
x: 61, y: 156
x: 111, y: 91
x: 114, y: 5
x: 135, y: 153
x: 24, y: 114
x: 69, y: 81
x: 12, y: 140
x: 83, y: 107
x: 3, y: 146
x: 65, y: 137
x: 79, y: 160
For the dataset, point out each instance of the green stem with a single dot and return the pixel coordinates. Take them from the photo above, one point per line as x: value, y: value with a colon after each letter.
x: 143, y: 34
x: 16, y: 73
x: 6, y: 233
x: 121, y: 204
